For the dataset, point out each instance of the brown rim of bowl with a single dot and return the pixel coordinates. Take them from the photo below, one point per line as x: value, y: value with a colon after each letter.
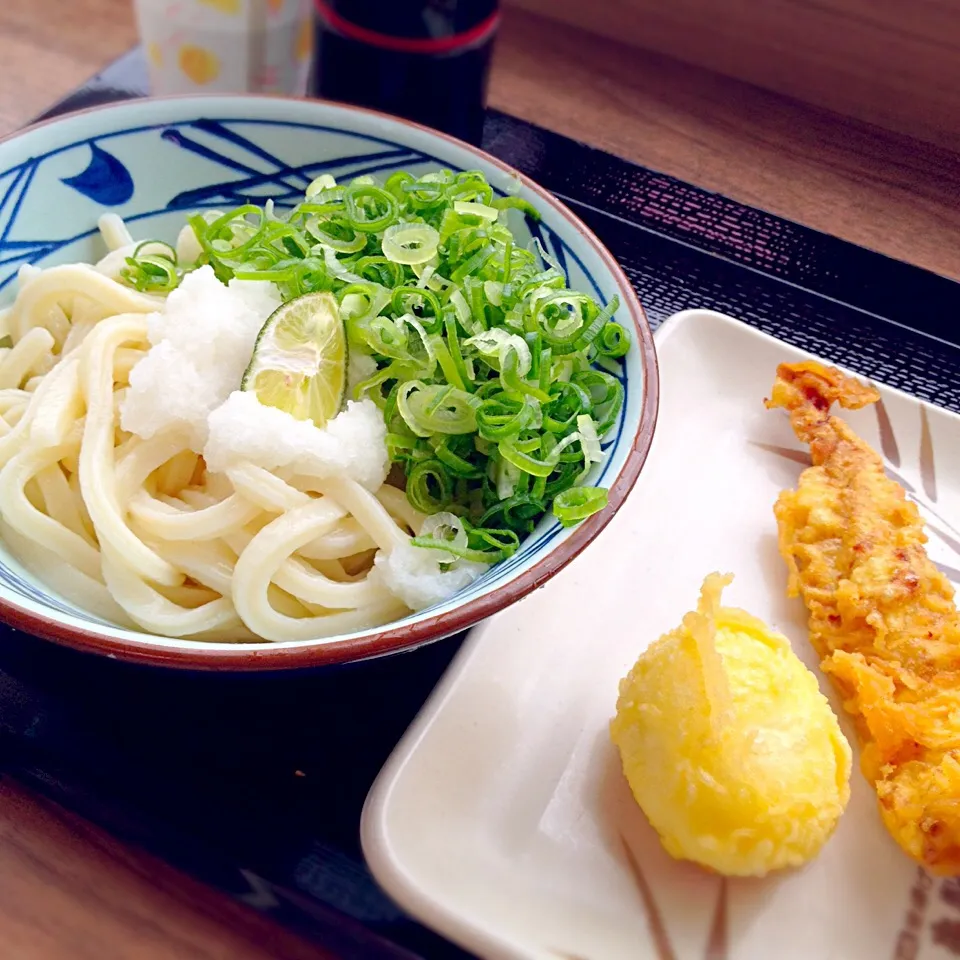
x: 391, y: 639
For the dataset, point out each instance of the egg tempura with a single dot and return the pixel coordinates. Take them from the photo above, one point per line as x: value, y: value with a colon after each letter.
x: 728, y: 745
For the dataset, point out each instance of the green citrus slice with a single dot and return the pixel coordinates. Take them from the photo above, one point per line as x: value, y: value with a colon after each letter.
x: 299, y: 362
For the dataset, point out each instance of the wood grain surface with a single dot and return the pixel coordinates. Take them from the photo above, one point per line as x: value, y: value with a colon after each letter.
x: 879, y: 189
x: 67, y: 890
x: 891, y: 62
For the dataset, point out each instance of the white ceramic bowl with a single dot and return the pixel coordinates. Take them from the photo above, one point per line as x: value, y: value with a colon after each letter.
x: 151, y: 160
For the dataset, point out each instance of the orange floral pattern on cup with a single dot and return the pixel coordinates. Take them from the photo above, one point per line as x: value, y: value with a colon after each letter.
x: 304, y: 44
x: 224, y: 6
x: 200, y: 65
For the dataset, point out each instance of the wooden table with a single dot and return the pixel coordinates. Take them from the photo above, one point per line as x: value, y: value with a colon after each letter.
x: 66, y: 888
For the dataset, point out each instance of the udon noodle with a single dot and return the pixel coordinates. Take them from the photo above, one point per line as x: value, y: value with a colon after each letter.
x: 139, y: 530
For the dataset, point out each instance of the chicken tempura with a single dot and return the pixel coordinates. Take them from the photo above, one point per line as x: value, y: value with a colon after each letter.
x: 882, y: 616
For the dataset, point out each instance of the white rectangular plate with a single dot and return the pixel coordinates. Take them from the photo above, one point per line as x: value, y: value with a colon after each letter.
x: 503, y: 820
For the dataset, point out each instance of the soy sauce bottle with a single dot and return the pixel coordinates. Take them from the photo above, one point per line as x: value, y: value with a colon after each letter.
x: 426, y: 60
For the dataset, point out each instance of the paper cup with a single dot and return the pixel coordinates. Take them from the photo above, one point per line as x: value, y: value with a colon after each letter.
x: 226, y: 46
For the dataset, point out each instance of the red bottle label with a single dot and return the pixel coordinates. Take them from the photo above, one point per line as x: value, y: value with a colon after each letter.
x: 438, y: 27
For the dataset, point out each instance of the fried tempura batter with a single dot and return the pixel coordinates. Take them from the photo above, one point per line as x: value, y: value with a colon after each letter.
x: 882, y: 616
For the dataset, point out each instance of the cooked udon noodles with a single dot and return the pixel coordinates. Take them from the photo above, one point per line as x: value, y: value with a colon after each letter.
x: 175, y: 450
x: 110, y: 430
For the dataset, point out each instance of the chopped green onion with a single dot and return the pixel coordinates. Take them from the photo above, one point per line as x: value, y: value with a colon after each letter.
x: 153, y: 272
x: 473, y: 209
x: 445, y: 533
x: 496, y: 381
x: 519, y: 512
x: 494, y: 346
x: 410, y: 243
x: 323, y: 182
x: 454, y: 538
x: 456, y: 459
x: 613, y: 341
x: 436, y: 408
x: 429, y: 488
x: 511, y: 450
x: 517, y: 203
x: 343, y: 240
x: 369, y: 208
x: 606, y: 393
x: 500, y: 418
x: 574, y: 504
x: 589, y: 440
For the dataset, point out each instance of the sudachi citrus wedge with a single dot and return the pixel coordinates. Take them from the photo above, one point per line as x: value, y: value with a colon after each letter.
x: 299, y: 361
